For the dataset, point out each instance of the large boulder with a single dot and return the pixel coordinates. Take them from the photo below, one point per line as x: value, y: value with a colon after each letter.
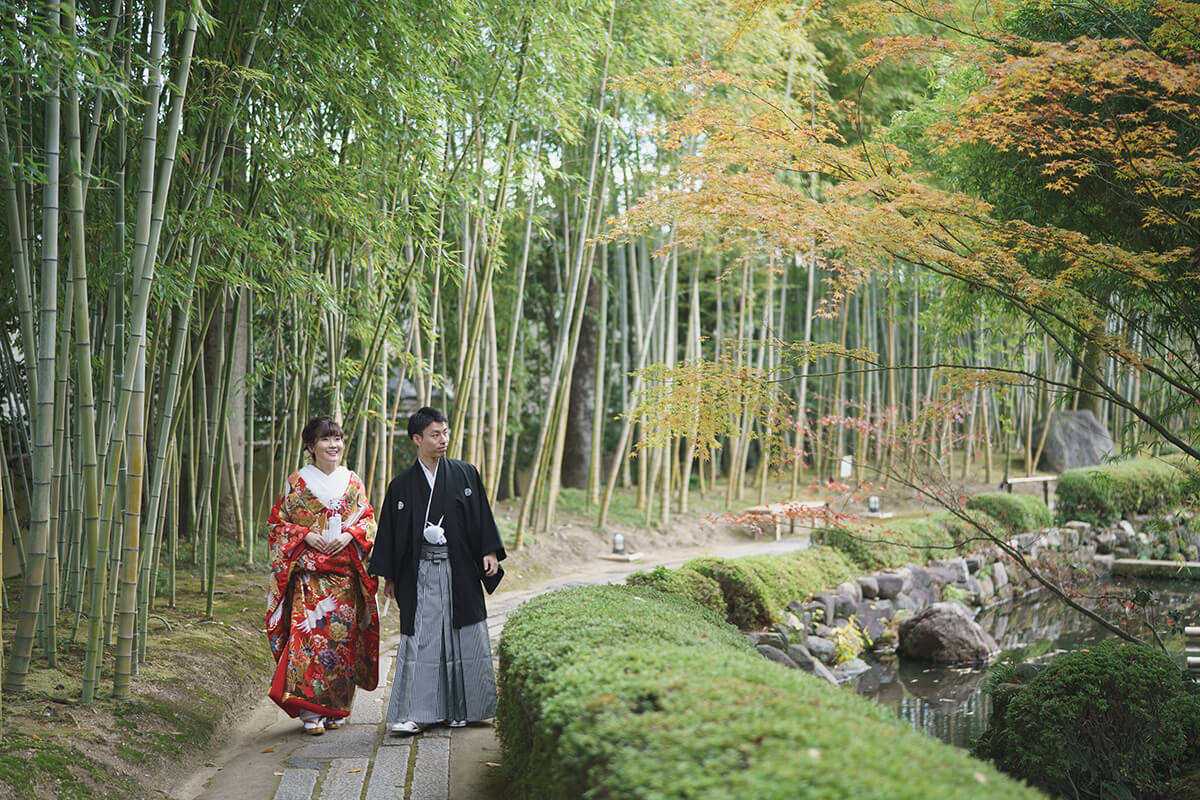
x: 1073, y: 439
x: 945, y: 633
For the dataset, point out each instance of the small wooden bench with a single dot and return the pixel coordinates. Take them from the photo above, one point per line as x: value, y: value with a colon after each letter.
x: 1007, y: 484
x: 775, y: 513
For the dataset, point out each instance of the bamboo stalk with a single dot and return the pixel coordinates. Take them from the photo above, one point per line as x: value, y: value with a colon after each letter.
x: 43, y: 452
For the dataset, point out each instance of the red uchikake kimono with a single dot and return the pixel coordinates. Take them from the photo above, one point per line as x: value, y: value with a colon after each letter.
x: 322, y: 621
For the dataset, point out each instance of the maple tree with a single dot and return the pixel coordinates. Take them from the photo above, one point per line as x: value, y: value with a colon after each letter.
x: 1109, y: 117
x: 1051, y: 173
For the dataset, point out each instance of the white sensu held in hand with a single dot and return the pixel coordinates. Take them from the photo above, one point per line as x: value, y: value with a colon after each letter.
x: 333, y: 528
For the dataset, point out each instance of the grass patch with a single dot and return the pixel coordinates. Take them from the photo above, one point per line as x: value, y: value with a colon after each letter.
x: 196, y: 670
x: 37, y: 768
x: 622, y: 508
x: 755, y: 590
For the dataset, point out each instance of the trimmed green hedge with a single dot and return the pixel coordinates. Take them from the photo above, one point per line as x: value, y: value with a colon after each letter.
x: 756, y: 589
x: 1017, y: 513
x: 700, y: 589
x: 625, y: 692
x: 1104, y: 494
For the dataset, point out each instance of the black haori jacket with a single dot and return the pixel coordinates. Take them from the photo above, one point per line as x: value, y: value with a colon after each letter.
x: 470, y: 528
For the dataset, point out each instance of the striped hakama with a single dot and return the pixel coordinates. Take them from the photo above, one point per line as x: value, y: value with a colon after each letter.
x: 442, y: 673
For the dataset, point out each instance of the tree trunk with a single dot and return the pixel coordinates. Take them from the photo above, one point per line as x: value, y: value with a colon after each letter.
x: 581, y: 411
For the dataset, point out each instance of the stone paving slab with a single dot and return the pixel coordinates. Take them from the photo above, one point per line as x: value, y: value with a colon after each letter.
x: 389, y: 774
x: 395, y: 740
x: 296, y: 784
x: 369, y: 707
x: 352, y: 741
x: 345, y: 779
x: 431, y: 775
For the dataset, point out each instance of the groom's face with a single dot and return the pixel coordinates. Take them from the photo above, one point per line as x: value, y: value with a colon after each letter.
x: 433, y: 441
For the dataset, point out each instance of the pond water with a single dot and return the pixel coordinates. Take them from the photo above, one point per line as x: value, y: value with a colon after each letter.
x: 946, y: 702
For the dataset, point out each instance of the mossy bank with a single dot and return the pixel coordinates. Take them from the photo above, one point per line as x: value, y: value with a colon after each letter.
x: 200, y: 673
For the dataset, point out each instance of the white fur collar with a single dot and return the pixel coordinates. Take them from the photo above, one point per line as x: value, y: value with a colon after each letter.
x: 329, y: 489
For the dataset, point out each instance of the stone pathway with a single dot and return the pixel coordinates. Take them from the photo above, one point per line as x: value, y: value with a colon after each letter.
x: 266, y: 756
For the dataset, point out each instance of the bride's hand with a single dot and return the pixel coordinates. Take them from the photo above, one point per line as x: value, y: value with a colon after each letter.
x: 339, y: 544
x: 316, y: 542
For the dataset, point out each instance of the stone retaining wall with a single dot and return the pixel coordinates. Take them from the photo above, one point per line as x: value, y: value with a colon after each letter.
x: 872, y: 606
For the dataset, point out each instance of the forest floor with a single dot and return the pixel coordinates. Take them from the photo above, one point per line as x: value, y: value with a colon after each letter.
x: 202, y: 675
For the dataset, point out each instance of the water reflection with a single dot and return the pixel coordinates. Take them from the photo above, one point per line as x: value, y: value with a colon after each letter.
x: 946, y: 702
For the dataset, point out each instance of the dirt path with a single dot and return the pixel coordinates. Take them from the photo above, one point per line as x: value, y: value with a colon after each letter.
x: 266, y: 756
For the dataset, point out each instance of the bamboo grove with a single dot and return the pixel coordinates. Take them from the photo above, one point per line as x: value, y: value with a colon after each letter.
x: 223, y: 218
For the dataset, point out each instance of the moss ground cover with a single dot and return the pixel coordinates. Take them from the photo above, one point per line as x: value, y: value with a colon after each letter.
x: 620, y: 691
x: 197, y: 673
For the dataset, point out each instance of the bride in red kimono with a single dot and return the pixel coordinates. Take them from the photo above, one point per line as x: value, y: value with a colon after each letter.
x: 321, y: 616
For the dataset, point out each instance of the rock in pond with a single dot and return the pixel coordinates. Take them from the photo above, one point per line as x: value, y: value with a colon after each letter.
x: 945, y: 633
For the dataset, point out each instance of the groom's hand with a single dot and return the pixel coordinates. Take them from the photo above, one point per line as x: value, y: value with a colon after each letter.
x: 490, y: 564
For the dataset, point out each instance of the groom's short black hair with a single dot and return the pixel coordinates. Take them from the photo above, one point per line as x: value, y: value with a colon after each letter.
x: 422, y: 418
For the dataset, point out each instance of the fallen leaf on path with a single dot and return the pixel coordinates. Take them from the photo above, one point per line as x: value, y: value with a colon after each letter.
x: 269, y: 750
x: 357, y: 769
x: 492, y: 763
x: 278, y: 773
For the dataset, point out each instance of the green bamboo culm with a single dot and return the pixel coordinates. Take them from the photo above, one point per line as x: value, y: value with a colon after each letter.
x: 219, y: 441
x: 134, y: 365
x: 43, y: 417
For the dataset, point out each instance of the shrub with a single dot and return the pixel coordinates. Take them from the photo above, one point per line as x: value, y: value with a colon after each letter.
x: 964, y: 534
x: 849, y: 642
x: 875, y: 547
x: 1115, y: 721
x: 799, y: 575
x: 1016, y: 513
x: 1101, y: 495
x: 756, y: 589
x: 700, y: 589
x: 624, y: 692
x: 748, y: 601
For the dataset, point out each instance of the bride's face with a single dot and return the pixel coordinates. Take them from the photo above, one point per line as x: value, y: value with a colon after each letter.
x: 327, y: 452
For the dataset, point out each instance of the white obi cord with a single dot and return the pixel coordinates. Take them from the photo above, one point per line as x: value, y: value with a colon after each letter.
x: 434, y: 533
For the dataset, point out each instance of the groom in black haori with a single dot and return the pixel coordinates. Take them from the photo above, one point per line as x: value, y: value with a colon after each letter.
x: 437, y: 547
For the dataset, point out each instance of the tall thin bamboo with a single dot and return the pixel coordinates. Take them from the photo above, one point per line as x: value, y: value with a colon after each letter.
x: 627, y: 424
x: 135, y: 451
x: 492, y: 237
x: 43, y: 444
x: 222, y: 428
